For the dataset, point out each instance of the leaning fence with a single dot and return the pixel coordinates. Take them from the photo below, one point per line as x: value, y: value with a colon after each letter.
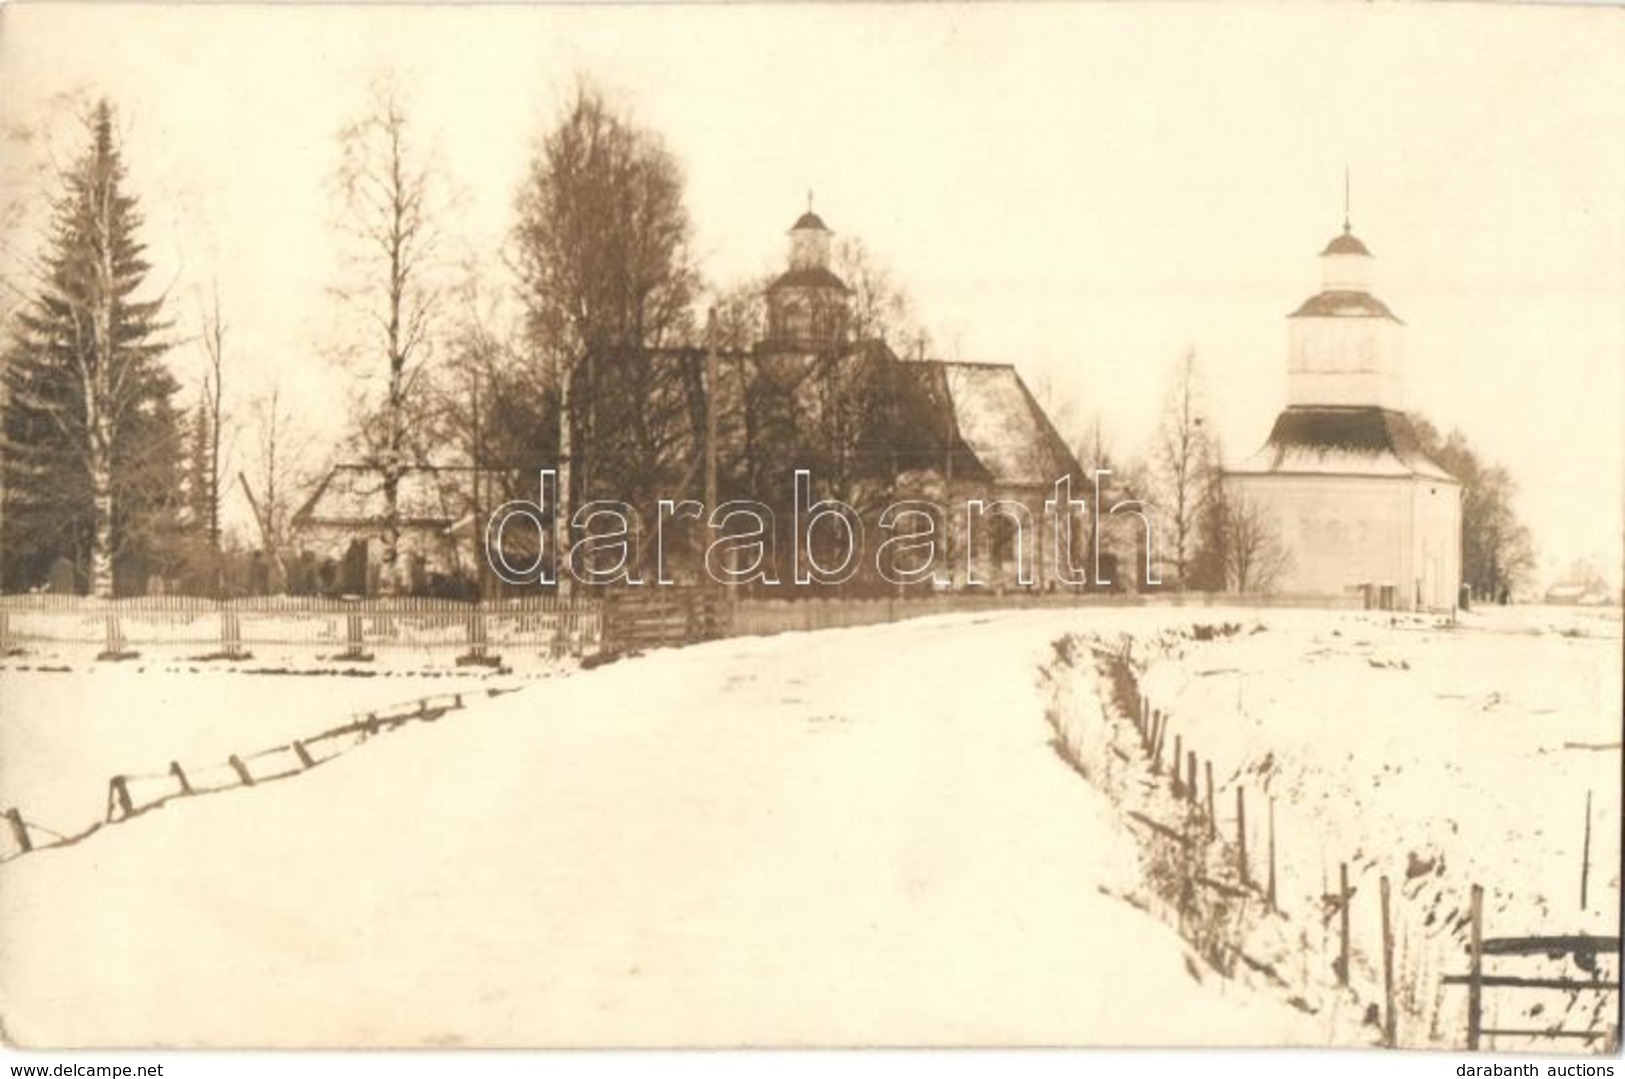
x: 130, y: 794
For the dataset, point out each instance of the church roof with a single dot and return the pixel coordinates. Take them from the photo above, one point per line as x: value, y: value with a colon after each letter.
x: 1346, y: 244
x: 809, y: 220
x: 809, y: 277
x: 1345, y: 303
x: 1344, y: 441
x: 1002, y: 425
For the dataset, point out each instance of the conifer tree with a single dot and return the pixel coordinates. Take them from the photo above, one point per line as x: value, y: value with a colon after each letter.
x: 93, y: 443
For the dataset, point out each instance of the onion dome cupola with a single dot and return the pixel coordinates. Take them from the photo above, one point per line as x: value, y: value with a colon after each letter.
x: 807, y: 305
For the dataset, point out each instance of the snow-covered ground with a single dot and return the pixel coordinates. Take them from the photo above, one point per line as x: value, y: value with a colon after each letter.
x: 64, y: 733
x: 852, y: 837
x: 859, y: 836
x: 1437, y: 755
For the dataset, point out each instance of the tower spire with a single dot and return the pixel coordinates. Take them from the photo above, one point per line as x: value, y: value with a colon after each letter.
x: 1346, y: 227
x: 809, y: 200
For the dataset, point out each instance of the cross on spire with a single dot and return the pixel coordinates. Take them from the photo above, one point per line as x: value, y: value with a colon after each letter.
x: 809, y: 200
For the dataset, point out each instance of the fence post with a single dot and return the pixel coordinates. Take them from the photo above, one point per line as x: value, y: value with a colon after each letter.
x: 180, y: 776
x: 1343, y: 897
x: 19, y: 829
x: 241, y: 769
x: 1241, y: 834
x: 116, y: 645
x: 1475, y: 971
x: 1270, y: 887
x: 231, y: 634
x: 1174, y: 765
x: 1190, y: 776
x: 118, y: 795
x: 1212, y: 815
x: 1585, y: 856
x: 305, y: 759
x: 478, y: 653
x: 5, y: 633
x: 1390, y: 1022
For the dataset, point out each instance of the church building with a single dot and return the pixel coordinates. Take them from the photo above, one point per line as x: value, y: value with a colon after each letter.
x: 1355, y: 502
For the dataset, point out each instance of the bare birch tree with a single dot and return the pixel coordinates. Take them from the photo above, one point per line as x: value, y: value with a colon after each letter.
x: 391, y: 197
x: 1183, y: 465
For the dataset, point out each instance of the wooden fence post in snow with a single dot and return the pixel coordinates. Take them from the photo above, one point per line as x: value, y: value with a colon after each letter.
x: 231, y: 634
x: 19, y: 829
x: 1475, y: 971
x: 305, y: 759
x: 1241, y: 835
x: 241, y: 769
x: 1178, y: 760
x: 1190, y: 776
x: 1390, y: 1022
x: 1270, y: 887
x: 352, y: 637
x: 118, y: 796
x: 180, y: 777
x: 1212, y: 815
x: 1585, y: 856
x: 1343, y: 897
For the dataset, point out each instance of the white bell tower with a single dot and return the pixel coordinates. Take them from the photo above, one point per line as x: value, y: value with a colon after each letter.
x: 1344, y: 345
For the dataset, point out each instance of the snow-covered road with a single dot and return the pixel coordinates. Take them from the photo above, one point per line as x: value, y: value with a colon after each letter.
x: 739, y: 843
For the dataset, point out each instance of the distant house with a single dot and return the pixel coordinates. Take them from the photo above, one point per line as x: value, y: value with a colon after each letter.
x: 1342, y: 481
x: 339, y: 531
x: 1578, y: 595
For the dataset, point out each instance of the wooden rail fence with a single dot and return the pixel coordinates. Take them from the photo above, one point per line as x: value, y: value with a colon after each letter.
x: 133, y: 793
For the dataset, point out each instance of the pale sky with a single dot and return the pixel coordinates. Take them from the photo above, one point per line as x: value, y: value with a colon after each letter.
x: 1083, y: 190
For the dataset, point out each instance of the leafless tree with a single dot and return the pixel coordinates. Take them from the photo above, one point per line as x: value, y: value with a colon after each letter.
x: 392, y: 197
x: 1250, y: 548
x: 213, y: 337
x: 1183, y: 466
x: 602, y: 252
x: 285, y: 453
x: 880, y: 309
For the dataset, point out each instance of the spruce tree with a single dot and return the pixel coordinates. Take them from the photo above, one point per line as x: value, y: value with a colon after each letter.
x: 93, y: 442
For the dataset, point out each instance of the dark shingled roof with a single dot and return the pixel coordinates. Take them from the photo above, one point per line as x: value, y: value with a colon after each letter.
x: 1344, y: 302
x: 812, y: 277
x: 809, y: 220
x: 1346, y: 244
x: 1361, y: 440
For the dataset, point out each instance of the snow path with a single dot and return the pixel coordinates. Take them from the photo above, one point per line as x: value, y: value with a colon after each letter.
x: 740, y: 843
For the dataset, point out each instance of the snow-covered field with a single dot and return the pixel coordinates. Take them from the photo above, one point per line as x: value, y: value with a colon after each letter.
x: 1438, y: 755
x: 748, y: 842
x: 64, y: 733
x: 859, y: 836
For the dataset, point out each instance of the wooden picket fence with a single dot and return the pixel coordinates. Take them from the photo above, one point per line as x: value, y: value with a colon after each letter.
x: 331, y: 629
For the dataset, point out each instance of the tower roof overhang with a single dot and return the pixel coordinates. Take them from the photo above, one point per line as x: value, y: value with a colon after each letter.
x: 1344, y: 441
